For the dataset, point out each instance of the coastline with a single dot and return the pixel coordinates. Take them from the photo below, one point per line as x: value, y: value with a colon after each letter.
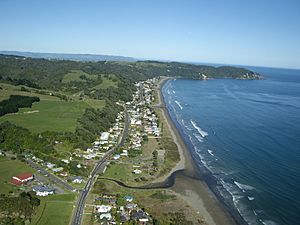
x: 189, y: 185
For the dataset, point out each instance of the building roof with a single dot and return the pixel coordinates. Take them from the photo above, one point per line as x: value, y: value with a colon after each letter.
x: 15, y: 182
x: 43, y: 188
x: 23, y: 176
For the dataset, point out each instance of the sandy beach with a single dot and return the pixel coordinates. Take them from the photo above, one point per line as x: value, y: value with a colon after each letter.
x: 194, y: 191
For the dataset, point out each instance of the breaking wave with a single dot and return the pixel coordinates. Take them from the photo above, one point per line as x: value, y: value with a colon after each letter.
x: 200, y: 131
x: 243, y: 187
x: 179, y: 105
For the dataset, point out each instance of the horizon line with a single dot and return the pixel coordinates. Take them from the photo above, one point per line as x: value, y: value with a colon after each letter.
x: 154, y: 59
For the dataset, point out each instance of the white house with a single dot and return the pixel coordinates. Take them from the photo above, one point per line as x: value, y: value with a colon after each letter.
x: 103, y: 208
x: 77, y: 180
x: 136, y: 171
x: 104, y: 136
x: 116, y: 157
x: 43, y: 190
x: 106, y: 216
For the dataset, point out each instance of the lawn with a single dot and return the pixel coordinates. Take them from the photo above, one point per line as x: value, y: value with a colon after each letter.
x: 118, y: 171
x: 9, y: 168
x: 48, y: 115
x: 74, y: 75
x: 54, y: 210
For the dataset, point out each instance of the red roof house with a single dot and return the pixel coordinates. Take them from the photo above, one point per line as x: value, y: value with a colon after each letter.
x: 21, y: 178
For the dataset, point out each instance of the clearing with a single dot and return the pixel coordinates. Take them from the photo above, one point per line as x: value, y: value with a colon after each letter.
x: 77, y: 75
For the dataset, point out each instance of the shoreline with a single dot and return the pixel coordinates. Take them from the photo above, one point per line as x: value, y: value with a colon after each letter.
x: 195, y: 191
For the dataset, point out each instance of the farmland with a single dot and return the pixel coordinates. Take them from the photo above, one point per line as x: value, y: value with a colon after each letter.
x: 50, y: 114
x: 9, y: 168
x: 54, y: 210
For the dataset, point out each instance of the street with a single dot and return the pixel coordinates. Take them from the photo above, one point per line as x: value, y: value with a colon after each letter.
x: 77, y: 217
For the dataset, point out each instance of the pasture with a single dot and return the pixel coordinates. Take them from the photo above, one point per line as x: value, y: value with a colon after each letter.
x: 9, y: 168
x: 54, y: 210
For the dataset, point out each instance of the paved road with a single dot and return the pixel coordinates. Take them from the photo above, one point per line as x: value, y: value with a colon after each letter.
x: 77, y: 217
x: 50, y: 176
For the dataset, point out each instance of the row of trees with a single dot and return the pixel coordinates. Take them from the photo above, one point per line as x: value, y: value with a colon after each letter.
x: 15, y: 102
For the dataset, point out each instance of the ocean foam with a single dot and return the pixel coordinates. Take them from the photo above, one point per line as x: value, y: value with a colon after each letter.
x: 243, y: 187
x: 178, y: 103
x: 198, y: 137
x: 211, y: 152
x: 250, y: 198
x: 268, y: 222
x: 201, y: 132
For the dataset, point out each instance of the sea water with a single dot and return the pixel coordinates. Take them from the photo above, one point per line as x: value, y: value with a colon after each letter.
x: 246, y: 133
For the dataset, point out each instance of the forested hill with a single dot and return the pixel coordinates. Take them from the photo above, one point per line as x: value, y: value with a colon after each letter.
x: 49, y: 74
x: 87, y: 92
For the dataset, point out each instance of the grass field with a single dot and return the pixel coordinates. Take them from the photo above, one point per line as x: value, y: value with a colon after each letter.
x: 54, y: 210
x: 8, y: 89
x: 74, y: 75
x: 118, y: 171
x: 50, y: 114
x: 9, y: 168
x: 107, y: 82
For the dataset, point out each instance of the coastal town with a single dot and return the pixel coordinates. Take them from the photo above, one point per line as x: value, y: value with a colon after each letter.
x: 55, y: 177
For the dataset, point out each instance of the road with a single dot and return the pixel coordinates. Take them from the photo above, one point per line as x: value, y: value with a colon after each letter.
x: 99, y: 167
x: 50, y: 176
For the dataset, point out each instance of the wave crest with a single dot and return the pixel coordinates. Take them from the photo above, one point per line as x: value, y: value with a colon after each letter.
x: 200, y: 131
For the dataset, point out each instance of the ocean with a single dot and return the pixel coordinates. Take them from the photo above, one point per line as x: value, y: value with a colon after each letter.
x: 246, y: 135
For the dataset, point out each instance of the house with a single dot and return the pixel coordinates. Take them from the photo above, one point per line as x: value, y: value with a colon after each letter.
x: 105, y: 216
x: 65, y: 161
x: 50, y: 165
x: 21, y: 178
x: 128, y: 198
x: 63, y: 174
x: 103, y: 208
x: 116, y: 157
x: 136, y: 171
x: 104, y: 136
x: 139, y: 215
x: 77, y: 180
x: 131, y: 206
x: 43, y: 190
x: 58, y: 169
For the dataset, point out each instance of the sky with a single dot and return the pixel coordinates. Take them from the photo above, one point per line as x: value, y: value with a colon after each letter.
x: 240, y: 32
